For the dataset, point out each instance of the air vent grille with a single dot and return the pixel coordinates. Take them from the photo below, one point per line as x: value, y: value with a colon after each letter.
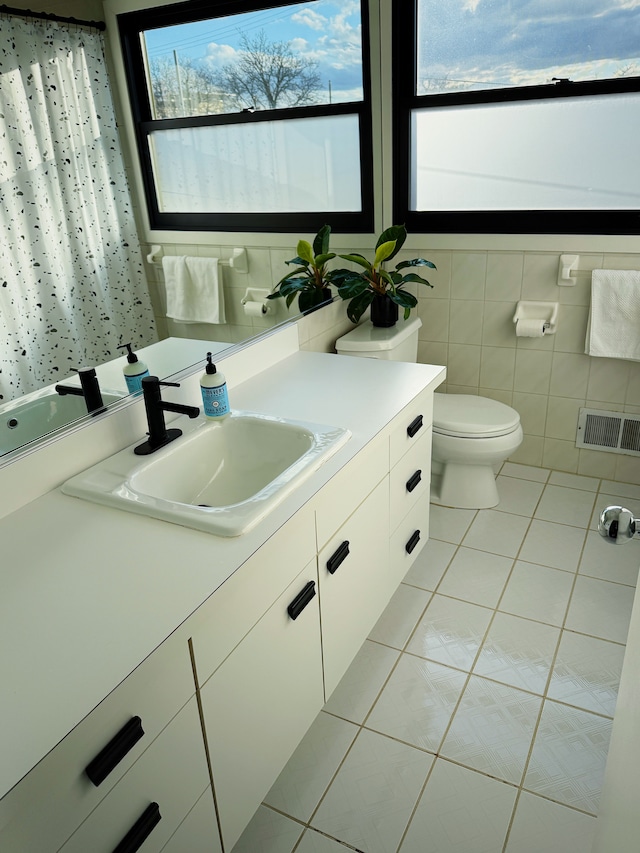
x: 610, y: 431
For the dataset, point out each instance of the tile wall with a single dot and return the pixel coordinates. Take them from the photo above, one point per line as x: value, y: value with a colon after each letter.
x: 468, y: 325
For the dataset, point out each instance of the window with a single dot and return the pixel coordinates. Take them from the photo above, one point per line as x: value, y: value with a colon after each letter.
x: 252, y: 117
x: 517, y: 116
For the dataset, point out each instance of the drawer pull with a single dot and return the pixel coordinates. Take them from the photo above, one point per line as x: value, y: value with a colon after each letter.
x: 414, y: 426
x: 301, y: 600
x: 140, y: 831
x: 338, y: 557
x: 413, y: 541
x: 108, y: 758
x: 413, y: 480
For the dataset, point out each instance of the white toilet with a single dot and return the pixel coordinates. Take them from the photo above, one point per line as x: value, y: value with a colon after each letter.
x: 472, y: 436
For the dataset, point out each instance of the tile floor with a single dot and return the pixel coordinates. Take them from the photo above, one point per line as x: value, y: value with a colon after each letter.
x: 477, y: 716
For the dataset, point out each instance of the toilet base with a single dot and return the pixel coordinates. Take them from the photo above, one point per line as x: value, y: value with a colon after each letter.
x: 464, y: 486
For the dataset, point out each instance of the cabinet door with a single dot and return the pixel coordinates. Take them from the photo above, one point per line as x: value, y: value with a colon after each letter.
x: 260, y: 702
x: 355, y: 583
x: 198, y: 832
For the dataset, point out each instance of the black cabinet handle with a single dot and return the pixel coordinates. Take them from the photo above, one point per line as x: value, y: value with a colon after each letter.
x: 413, y: 480
x: 301, y: 600
x: 414, y: 426
x: 108, y: 758
x: 337, y: 557
x: 140, y: 831
x: 413, y: 541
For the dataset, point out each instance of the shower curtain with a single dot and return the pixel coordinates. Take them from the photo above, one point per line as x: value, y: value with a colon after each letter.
x: 72, y: 285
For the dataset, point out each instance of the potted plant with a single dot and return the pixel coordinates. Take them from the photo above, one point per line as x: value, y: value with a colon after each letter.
x: 377, y: 287
x: 310, y: 280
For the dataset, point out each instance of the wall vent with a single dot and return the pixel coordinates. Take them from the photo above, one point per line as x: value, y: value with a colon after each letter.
x: 614, y: 432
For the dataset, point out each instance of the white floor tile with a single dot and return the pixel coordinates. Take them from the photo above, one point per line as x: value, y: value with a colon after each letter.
x: 460, y: 811
x: 492, y: 729
x: 307, y: 774
x: 587, y: 673
x: 371, y: 799
x: 476, y: 576
x: 497, y: 532
x: 431, y: 563
x: 566, y: 506
x: 362, y: 682
x: 568, y: 757
x: 269, y: 832
x: 540, y: 826
x: 537, y: 592
x: 314, y: 842
x: 555, y: 545
x: 628, y: 490
x: 450, y: 632
x: 518, y: 496
x: 448, y: 524
x: 526, y: 472
x: 574, y: 481
x: 600, y: 609
x: 610, y: 563
x: 518, y: 652
x: 418, y: 702
x: 400, y: 616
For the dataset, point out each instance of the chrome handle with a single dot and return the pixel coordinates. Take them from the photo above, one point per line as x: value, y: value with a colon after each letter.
x: 617, y: 525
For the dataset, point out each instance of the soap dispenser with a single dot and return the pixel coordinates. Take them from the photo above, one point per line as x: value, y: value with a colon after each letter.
x: 134, y: 371
x: 213, y: 385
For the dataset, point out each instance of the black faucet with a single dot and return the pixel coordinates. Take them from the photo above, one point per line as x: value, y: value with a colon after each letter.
x: 155, y: 407
x: 89, y: 389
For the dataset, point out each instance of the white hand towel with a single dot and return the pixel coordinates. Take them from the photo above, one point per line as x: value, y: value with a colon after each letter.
x: 614, y: 320
x: 194, y: 289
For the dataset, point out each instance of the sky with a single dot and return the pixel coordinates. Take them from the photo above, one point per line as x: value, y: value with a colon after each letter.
x: 520, y: 42
x: 325, y: 31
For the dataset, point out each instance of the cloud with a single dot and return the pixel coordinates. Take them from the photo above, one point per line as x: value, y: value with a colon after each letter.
x: 310, y: 18
x: 218, y: 55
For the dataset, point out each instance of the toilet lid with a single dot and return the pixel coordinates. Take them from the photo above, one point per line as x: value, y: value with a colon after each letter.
x: 467, y: 415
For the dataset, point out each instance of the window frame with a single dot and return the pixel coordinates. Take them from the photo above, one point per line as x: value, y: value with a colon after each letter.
x: 132, y: 24
x: 405, y: 101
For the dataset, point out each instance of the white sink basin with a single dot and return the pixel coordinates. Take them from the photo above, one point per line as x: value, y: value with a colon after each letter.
x: 42, y: 412
x: 219, y: 476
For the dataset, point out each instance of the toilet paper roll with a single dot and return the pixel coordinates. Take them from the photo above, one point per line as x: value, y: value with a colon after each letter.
x: 529, y: 328
x: 257, y: 309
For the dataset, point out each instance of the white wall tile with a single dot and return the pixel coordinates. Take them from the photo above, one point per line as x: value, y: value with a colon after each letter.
x: 468, y: 275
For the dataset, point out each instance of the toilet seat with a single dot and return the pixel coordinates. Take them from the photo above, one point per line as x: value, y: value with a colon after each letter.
x: 468, y: 416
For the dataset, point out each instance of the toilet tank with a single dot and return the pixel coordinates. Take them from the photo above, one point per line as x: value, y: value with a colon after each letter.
x: 397, y: 343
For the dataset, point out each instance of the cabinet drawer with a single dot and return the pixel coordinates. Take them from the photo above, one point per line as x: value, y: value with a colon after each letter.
x: 410, y: 538
x: 154, y: 692
x: 198, y: 832
x: 233, y: 610
x: 410, y: 425
x: 354, y: 583
x: 259, y: 704
x: 350, y: 487
x: 410, y: 479
x: 172, y: 774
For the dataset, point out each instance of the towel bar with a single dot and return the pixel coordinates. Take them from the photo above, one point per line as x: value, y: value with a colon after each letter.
x: 237, y: 262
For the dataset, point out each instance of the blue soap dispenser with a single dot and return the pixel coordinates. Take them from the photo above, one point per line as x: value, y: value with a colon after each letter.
x: 134, y: 371
x: 213, y: 385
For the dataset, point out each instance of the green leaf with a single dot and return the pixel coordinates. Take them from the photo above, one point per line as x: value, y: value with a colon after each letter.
x: 416, y: 262
x: 292, y: 274
x: 304, y: 251
x: 319, y: 260
x: 384, y: 251
x: 295, y: 260
x: 357, y: 259
x: 397, y: 233
x: 403, y: 299
x: 358, y: 305
x: 352, y: 288
x: 321, y: 241
x: 412, y: 276
x: 387, y: 276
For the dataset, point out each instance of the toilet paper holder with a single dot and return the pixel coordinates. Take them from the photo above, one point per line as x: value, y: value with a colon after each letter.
x: 545, y: 311
x: 259, y: 296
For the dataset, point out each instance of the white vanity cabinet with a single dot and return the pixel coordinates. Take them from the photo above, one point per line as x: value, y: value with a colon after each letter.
x: 58, y: 795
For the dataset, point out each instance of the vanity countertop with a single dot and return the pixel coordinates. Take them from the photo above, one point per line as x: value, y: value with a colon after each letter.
x: 88, y: 592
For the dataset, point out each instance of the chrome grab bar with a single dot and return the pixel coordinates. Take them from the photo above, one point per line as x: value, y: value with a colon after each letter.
x: 617, y: 525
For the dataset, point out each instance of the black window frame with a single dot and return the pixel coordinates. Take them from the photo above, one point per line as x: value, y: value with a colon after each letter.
x: 132, y: 24
x: 405, y: 101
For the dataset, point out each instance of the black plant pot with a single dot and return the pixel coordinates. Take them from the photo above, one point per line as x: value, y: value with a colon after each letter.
x: 384, y: 312
x: 311, y: 300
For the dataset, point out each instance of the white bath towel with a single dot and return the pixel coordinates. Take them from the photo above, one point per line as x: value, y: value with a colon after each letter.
x: 194, y: 289
x: 613, y: 330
